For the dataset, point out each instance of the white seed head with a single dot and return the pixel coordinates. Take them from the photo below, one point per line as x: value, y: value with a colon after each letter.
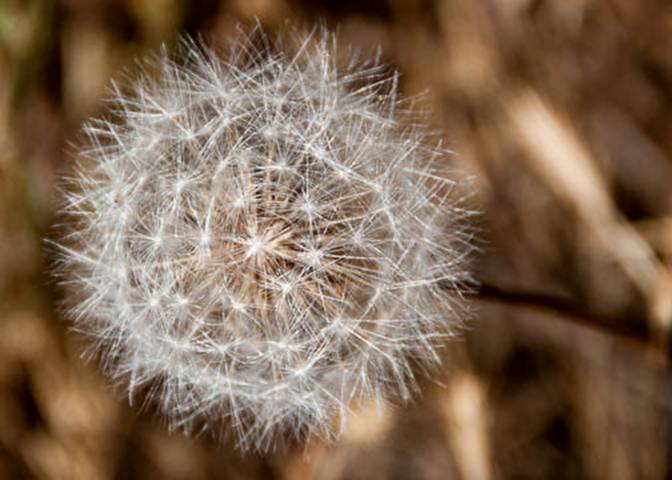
x: 264, y: 240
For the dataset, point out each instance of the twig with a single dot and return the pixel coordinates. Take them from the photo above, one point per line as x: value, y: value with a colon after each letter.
x: 635, y: 334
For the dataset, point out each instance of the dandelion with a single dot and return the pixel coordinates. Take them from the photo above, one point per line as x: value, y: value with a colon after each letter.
x: 263, y: 241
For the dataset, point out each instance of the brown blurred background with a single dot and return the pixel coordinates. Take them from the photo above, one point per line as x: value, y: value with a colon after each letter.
x: 561, y: 109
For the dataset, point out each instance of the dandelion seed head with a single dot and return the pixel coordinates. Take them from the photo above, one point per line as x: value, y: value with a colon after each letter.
x: 263, y: 240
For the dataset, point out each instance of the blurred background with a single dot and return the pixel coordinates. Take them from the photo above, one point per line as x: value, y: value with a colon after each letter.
x: 561, y: 110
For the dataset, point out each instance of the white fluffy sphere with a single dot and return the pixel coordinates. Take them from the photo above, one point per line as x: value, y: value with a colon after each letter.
x: 262, y: 241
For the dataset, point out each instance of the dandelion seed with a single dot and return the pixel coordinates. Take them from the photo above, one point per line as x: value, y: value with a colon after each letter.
x: 264, y: 241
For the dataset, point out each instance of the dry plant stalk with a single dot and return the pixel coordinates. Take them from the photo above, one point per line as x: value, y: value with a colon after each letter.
x: 262, y: 241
